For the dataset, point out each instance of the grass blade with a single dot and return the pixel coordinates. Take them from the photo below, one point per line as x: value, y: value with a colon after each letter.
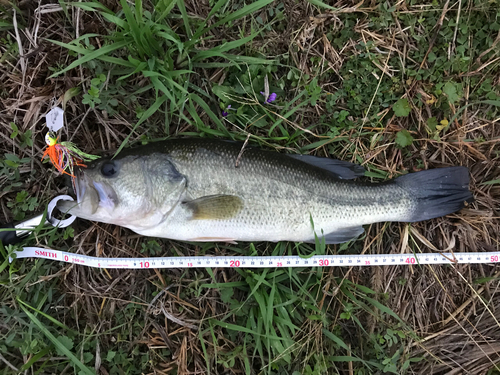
x: 224, y: 47
x: 76, y: 362
x: 89, y: 56
x: 246, y: 10
x: 147, y: 114
x: 210, y: 113
x: 133, y: 27
x: 182, y: 8
x: 491, y: 182
x: 103, y: 11
x: 169, y: 5
x: 322, y: 4
x: 55, y: 321
x: 495, y: 103
x: 216, y: 8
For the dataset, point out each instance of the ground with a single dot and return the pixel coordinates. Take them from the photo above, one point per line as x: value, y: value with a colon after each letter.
x: 394, y: 86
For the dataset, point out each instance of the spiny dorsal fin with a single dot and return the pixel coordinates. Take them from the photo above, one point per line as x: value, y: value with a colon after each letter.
x: 338, y: 168
x: 215, y: 207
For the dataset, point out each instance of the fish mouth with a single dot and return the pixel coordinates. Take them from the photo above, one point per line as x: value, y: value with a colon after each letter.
x: 79, y: 184
x: 90, y: 196
x: 100, y: 193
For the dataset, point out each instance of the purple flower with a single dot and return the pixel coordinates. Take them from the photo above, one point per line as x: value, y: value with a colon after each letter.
x: 224, y: 113
x: 271, y: 98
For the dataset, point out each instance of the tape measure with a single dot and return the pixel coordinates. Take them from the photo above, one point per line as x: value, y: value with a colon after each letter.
x: 261, y: 261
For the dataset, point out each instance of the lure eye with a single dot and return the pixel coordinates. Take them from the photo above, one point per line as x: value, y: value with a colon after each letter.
x: 109, y: 169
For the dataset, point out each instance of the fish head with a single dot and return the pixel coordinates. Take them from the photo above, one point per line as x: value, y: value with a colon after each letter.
x: 137, y: 192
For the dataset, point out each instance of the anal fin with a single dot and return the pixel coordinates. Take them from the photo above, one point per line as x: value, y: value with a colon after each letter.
x: 339, y: 236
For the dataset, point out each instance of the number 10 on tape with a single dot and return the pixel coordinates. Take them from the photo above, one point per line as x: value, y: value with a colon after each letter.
x: 261, y: 261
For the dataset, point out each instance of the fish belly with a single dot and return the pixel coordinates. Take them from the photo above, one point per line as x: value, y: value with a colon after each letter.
x: 285, y: 215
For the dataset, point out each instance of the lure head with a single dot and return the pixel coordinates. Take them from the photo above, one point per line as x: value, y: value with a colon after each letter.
x: 50, y: 139
x: 135, y: 191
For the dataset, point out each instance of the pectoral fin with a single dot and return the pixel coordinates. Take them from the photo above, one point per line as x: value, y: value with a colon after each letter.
x: 215, y: 207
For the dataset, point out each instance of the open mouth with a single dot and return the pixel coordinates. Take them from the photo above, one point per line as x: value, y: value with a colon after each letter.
x: 91, y: 195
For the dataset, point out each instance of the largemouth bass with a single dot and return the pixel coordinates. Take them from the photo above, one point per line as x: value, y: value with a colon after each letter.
x: 211, y: 190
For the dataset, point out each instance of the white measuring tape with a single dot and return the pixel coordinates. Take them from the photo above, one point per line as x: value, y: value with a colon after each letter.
x: 261, y: 261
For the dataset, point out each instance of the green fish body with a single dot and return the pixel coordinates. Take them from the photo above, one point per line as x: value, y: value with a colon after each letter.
x: 212, y: 190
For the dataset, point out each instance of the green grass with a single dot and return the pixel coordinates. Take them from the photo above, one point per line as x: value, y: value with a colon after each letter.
x: 355, y: 84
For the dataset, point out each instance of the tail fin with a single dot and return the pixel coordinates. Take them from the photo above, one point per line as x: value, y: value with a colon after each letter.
x: 438, y: 192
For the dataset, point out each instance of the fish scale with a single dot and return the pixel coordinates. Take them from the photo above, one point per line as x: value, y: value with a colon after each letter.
x: 330, y: 203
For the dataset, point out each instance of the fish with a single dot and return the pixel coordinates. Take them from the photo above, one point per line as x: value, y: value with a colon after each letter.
x: 208, y: 190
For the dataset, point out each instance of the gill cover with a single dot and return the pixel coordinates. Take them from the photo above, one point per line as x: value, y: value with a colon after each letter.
x: 134, y: 191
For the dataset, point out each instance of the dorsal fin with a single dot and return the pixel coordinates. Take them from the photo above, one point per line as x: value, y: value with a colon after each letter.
x: 340, y: 169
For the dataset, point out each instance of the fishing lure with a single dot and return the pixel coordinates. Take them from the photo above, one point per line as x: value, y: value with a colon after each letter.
x: 65, y: 155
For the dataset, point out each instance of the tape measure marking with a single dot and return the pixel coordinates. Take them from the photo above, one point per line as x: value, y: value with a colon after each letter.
x: 260, y: 261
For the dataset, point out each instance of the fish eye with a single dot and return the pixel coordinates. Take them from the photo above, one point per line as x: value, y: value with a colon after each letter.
x: 109, y: 169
